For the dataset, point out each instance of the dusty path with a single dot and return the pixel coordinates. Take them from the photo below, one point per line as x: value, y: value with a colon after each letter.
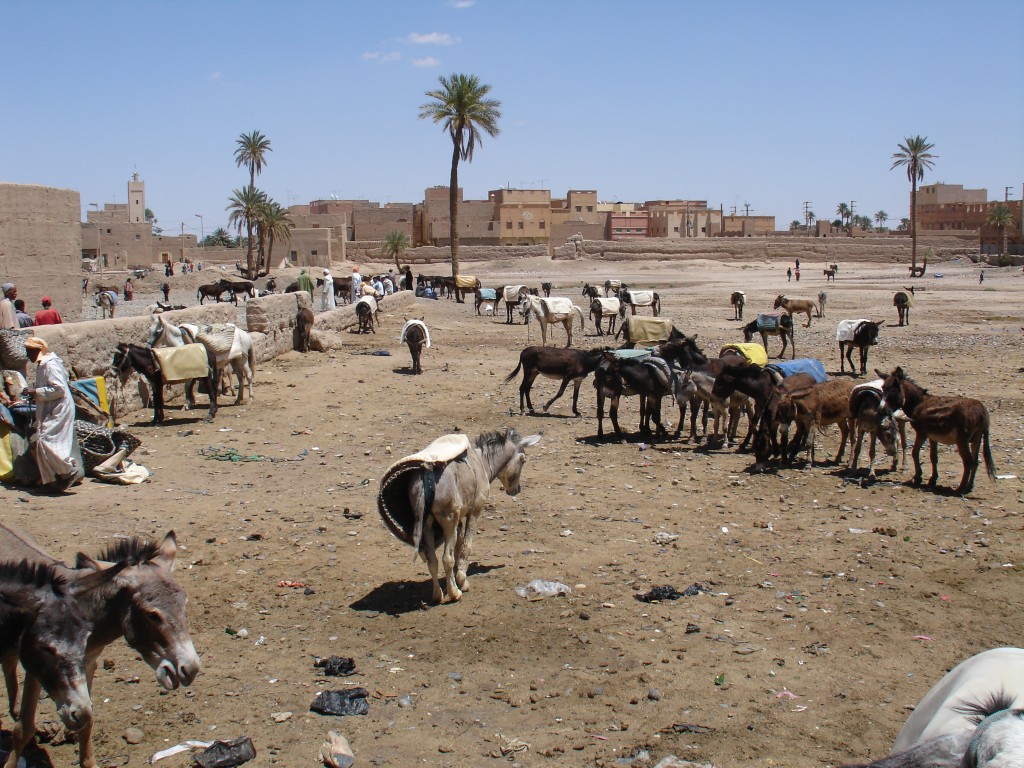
x: 832, y: 607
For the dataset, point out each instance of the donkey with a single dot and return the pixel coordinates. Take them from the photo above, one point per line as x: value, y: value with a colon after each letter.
x: 651, y: 378
x: 822, y: 298
x: 129, y: 357
x: 819, y: 406
x: 634, y: 299
x: 591, y: 291
x: 695, y: 387
x: 416, y: 336
x: 859, y: 334
x: 830, y: 274
x: 452, y: 501
x: 555, y: 363
x: 949, y: 420
x: 783, y: 329
x: 366, y: 309
x: 513, y: 296
x: 738, y: 300
x: 972, y: 718
x: 229, y: 345
x: 214, y: 291
x: 545, y: 288
x: 869, y: 415
x: 605, y: 308
x: 611, y: 286
x: 141, y: 602
x: 304, y: 320
x: 550, y: 311
x: 796, y: 305
x: 903, y: 301
x: 107, y: 302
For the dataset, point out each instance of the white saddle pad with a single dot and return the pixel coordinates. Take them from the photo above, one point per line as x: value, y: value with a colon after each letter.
x: 369, y: 301
x: 511, y: 293
x: 557, y: 305
x: 876, y: 385
x: 609, y: 306
x: 409, y: 324
x: 641, y: 298
x: 846, y: 329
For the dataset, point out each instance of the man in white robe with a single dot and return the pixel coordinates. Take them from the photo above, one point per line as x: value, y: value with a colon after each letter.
x: 55, y: 417
x: 327, y: 300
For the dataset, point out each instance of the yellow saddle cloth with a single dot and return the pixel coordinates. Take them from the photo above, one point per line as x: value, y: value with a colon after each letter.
x: 183, y: 363
x: 753, y: 353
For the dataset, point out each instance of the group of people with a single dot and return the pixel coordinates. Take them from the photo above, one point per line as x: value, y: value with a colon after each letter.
x: 378, y: 285
x: 187, y: 266
x: 790, y: 273
x: 13, y: 314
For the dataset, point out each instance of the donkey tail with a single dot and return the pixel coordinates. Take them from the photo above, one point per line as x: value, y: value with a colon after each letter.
x: 990, y: 465
x: 580, y: 313
x: 515, y: 372
x: 420, y: 513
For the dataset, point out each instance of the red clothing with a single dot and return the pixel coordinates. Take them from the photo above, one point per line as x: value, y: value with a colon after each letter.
x: 48, y: 317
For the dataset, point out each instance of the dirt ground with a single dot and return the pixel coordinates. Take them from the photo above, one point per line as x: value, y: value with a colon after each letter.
x: 832, y: 607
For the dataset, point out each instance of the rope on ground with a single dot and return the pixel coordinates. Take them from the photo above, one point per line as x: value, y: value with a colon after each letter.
x: 226, y: 453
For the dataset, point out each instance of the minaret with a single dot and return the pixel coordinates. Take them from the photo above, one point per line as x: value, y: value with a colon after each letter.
x: 136, y: 200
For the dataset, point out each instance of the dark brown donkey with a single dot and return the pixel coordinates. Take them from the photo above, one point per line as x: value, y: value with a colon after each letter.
x: 129, y: 357
x: 960, y: 421
x: 903, y: 301
x: 142, y: 603
x: 415, y: 335
x: 555, y: 363
x: 864, y: 336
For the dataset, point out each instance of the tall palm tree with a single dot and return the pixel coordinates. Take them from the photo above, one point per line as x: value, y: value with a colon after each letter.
x: 914, y: 155
x: 794, y: 225
x: 251, y: 151
x: 394, y: 244
x: 1001, y: 217
x: 277, y: 225
x: 844, y: 212
x: 244, y: 208
x: 462, y: 106
x: 881, y: 217
x: 220, y: 236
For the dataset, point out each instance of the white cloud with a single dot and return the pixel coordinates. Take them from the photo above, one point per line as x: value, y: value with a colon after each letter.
x: 381, y: 56
x: 461, y: 3
x: 432, y: 38
x: 430, y: 61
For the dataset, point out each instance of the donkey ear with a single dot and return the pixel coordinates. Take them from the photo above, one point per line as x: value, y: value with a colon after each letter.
x: 91, y: 581
x: 526, y: 442
x: 167, y: 550
x: 881, y: 375
x: 83, y: 561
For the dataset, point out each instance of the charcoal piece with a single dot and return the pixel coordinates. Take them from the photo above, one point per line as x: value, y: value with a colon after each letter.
x: 351, y: 701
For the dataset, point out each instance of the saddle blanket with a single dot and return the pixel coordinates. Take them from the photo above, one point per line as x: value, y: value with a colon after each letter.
x: 631, y: 354
x: 511, y: 293
x: 465, y: 281
x: 369, y: 301
x: 609, y: 306
x: 613, y: 285
x: 95, y: 390
x: 801, y: 365
x: 752, y: 352
x: 368, y: 290
x: 182, y: 363
x: 223, y: 339
x: 557, y: 305
x: 847, y: 328
x: 649, y: 330
x: 393, y: 497
x: 488, y: 294
x: 768, y: 322
x: 640, y: 298
x: 409, y: 324
x: 875, y: 385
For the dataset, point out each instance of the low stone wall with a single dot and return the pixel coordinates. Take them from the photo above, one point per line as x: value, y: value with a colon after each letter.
x: 271, y: 321
x: 429, y: 254
x: 344, y: 317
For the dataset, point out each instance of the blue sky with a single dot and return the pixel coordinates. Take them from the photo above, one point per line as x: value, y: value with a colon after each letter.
x: 766, y: 103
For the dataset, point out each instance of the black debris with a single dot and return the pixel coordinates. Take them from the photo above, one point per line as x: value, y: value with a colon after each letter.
x: 348, y: 702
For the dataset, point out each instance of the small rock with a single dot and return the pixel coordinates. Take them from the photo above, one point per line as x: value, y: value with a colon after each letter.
x: 405, y: 701
x: 280, y: 717
x: 134, y: 735
x: 455, y: 676
x: 336, y: 752
x: 654, y: 694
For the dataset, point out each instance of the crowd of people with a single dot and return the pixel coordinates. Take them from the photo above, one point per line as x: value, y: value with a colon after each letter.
x: 14, y: 315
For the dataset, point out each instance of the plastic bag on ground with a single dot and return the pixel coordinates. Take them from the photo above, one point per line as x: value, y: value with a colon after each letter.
x: 539, y: 588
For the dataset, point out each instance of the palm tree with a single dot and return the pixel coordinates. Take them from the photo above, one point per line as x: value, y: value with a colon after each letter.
x: 904, y: 225
x: 881, y: 217
x: 462, y: 106
x: 794, y: 225
x: 252, y: 151
x: 277, y: 224
x: 914, y: 155
x: 220, y: 236
x: 394, y: 244
x: 244, y: 207
x: 844, y: 211
x: 1001, y: 217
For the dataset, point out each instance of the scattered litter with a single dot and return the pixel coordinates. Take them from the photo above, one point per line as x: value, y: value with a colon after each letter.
x: 660, y: 594
x: 664, y: 537
x: 539, y: 588
x: 280, y: 717
x: 689, y: 728
x: 720, y: 679
x: 225, y: 453
x: 225, y: 429
x: 923, y: 637
x: 336, y: 666
x: 509, y: 746
x: 292, y: 584
x: 341, y: 703
x: 226, y: 754
x: 336, y: 752
x: 177, y: 749
x: 1006, y: 477
x: 374, y: 353
x: 306, y: 431
x: 786, y: 694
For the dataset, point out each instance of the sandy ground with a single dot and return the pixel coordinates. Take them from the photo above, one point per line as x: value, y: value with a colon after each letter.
x: 832, y: 607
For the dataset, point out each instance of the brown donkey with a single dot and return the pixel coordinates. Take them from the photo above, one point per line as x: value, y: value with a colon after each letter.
x: 962, y: 421
x: 792, y: 306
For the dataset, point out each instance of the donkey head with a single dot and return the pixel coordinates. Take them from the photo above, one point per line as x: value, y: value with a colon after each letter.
x: 155, y: 623
x: 892, y: 388
x: 779, y: 301
x: 509, y: 474
x: 867, y: 332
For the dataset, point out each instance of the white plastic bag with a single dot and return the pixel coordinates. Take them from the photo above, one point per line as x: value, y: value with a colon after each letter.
x: 539, y: 588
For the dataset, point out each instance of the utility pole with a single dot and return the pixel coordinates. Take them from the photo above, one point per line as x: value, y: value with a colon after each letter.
x: 746, y: 209
x: 183, y: 242
x: 1006, y: 197
x: 807, y: 216
x: 853, y: 203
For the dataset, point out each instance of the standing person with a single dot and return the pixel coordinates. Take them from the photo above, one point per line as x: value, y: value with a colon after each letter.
x: 24, y: 318
x: 327, y: 300
x: 129, y: 289
x: 789, y: 275
x: 47, y: 315
x: 797, y: 274
x: 55, y: 418
x: 305, y: 282
x: 407, y: 282
x: 8, y: 314
x: 981, y: 278
x: 357, y: 284
x: 165, y: 288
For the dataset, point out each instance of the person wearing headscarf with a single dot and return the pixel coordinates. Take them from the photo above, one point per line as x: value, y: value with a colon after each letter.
x: 407, y: 281
x: 305, y: 282
x: 55, y: 418
x: 327, y: 300
x: 8, y: 315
